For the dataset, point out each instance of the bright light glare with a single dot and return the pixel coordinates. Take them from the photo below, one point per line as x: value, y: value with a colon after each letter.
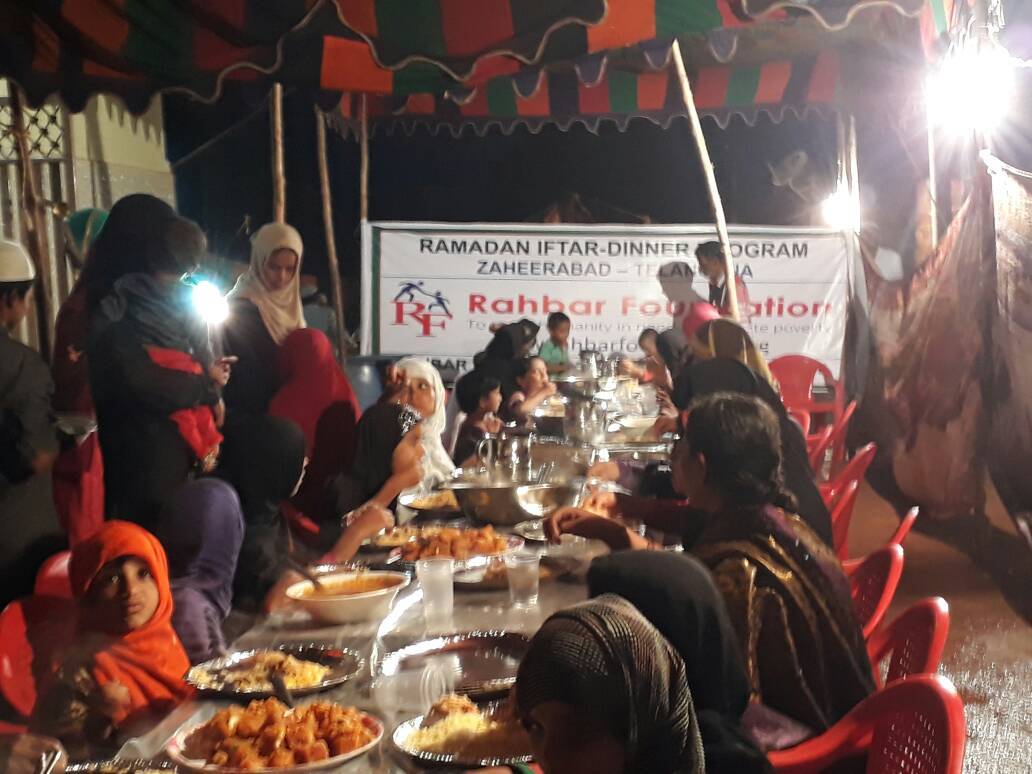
x: 971, y: 90
x: 209, y: 303
x: 841, y: 212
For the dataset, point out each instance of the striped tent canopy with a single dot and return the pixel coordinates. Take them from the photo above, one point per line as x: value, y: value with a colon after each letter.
x: 611, y: 94
x: 136, y: 48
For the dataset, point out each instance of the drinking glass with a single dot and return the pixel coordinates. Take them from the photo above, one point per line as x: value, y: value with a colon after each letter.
x: 435, y: 579
x: 523, y: 572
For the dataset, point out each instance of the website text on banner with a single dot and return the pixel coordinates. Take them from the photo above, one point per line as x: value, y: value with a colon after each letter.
x: 437, y: 287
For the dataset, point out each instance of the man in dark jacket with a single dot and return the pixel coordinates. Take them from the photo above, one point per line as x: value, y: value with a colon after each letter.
x: 29, y: 531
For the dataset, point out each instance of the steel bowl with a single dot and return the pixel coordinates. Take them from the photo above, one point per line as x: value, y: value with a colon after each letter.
x: 507, y: 504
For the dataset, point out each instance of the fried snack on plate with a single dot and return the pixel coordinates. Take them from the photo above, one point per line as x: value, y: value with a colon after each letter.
x: 456, y: 543
x: 268, y: 734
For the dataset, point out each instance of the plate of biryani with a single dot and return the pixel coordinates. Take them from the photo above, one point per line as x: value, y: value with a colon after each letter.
x: 247, y: 674
x: 121, y: 766
x: 457, y: 732
x: 268, y: 736
x: 431, y: 503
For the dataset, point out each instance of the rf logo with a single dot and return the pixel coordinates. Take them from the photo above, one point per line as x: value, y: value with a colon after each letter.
x: 413, y: 303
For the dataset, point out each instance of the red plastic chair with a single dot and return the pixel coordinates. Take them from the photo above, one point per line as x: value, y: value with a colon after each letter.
x: 912, y: 643
x: 29, y: 629
x: 795, y: 375
x: 301, y: 528
x: 818, y: 446
x: 838, y: 435
x: 905, y: 525
x: 913, y: 726
x: 802, y: 419
x: 855, y: 470
x: 53, y: 579
x: 872, y: 583
x: 841, y: 515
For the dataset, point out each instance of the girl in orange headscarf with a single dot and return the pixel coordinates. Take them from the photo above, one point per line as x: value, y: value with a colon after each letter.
x: 128, y: 663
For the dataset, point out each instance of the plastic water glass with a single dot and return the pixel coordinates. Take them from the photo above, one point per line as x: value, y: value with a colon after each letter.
x: 523, y: 571
x: 435, y: 579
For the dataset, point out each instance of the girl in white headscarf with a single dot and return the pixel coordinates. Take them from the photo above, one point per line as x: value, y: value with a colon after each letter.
x: 273, y: 281
x: 425, y: 393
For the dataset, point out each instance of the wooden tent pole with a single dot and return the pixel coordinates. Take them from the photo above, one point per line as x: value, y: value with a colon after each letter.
x: 933, y: 184
x: 711, y: 182
x: 363, y: 178
x: 336, y: 288
x: 33, y: 220
x: 279, y: 179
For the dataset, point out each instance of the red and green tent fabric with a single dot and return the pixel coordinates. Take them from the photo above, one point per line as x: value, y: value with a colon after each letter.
x: 939, y: 18
x: 616, y: 95
x: 136, y: 48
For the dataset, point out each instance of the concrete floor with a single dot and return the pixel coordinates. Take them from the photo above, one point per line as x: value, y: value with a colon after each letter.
x: 989, y: 651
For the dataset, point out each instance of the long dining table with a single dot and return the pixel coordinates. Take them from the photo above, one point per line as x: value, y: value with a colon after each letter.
x: 391, y: 699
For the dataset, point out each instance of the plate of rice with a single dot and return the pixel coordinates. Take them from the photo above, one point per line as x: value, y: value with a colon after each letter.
x: 457, y: 732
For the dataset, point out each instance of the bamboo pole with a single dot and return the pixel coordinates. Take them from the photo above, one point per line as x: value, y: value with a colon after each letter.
x: 933, y: 184
x: 711, y: 182
x: 33, y: 221
x: 279, y: 179
x: 363, y: 171
x: 336, y: 289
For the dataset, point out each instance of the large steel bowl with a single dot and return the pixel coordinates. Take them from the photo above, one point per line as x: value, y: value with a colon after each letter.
x: 507, y: 504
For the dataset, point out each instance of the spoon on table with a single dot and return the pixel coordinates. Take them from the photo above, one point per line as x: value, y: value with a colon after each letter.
x: 306, y: 573
x: 279, y: 687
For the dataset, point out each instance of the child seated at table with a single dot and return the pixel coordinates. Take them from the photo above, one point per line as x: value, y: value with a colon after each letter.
x: 556, y: 351
x: 480, y: 398
x: 125, y: 664
x: 534, y: 389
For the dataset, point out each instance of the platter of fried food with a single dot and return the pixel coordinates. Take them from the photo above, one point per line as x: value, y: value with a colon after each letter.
x: 304, y: 669
x: 443, y: 501
x: 121, y: 766
x: 267, y: 736
x: 459, y: 544
x: 457, y: 732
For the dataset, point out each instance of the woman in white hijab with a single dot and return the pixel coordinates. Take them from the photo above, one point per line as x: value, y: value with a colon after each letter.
x: 265, y: 308
x: 273, y: 281
x: 425, y: 393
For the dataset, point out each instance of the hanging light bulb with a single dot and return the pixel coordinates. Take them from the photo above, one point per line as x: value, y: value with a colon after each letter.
x: 972, y: 89
x: 840, y: 211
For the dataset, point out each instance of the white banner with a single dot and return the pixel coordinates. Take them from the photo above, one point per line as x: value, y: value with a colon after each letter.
x: 436, y: 287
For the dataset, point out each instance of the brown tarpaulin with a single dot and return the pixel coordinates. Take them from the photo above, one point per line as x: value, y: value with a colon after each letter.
x: 1010, y: 449
x: 924, y: 399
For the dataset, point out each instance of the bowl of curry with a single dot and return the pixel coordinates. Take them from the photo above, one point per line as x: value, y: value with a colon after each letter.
x: 349, y: 597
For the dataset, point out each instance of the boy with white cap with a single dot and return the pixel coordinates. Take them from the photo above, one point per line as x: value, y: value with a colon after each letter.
x: 28, y: 439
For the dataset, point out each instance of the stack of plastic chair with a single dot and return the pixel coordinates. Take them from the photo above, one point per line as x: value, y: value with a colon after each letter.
x: 802, y: 419
x: 912, y: 726
x: 841, y: 515
x: 855, y: 470
x: 872, y: 583
x: 53, y: 579
x: 912, y: 643
x: 838, y: 435
x: 795, y: 375
x: 817, y: 448
x: 30, y: 629
x: 905, y: 525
